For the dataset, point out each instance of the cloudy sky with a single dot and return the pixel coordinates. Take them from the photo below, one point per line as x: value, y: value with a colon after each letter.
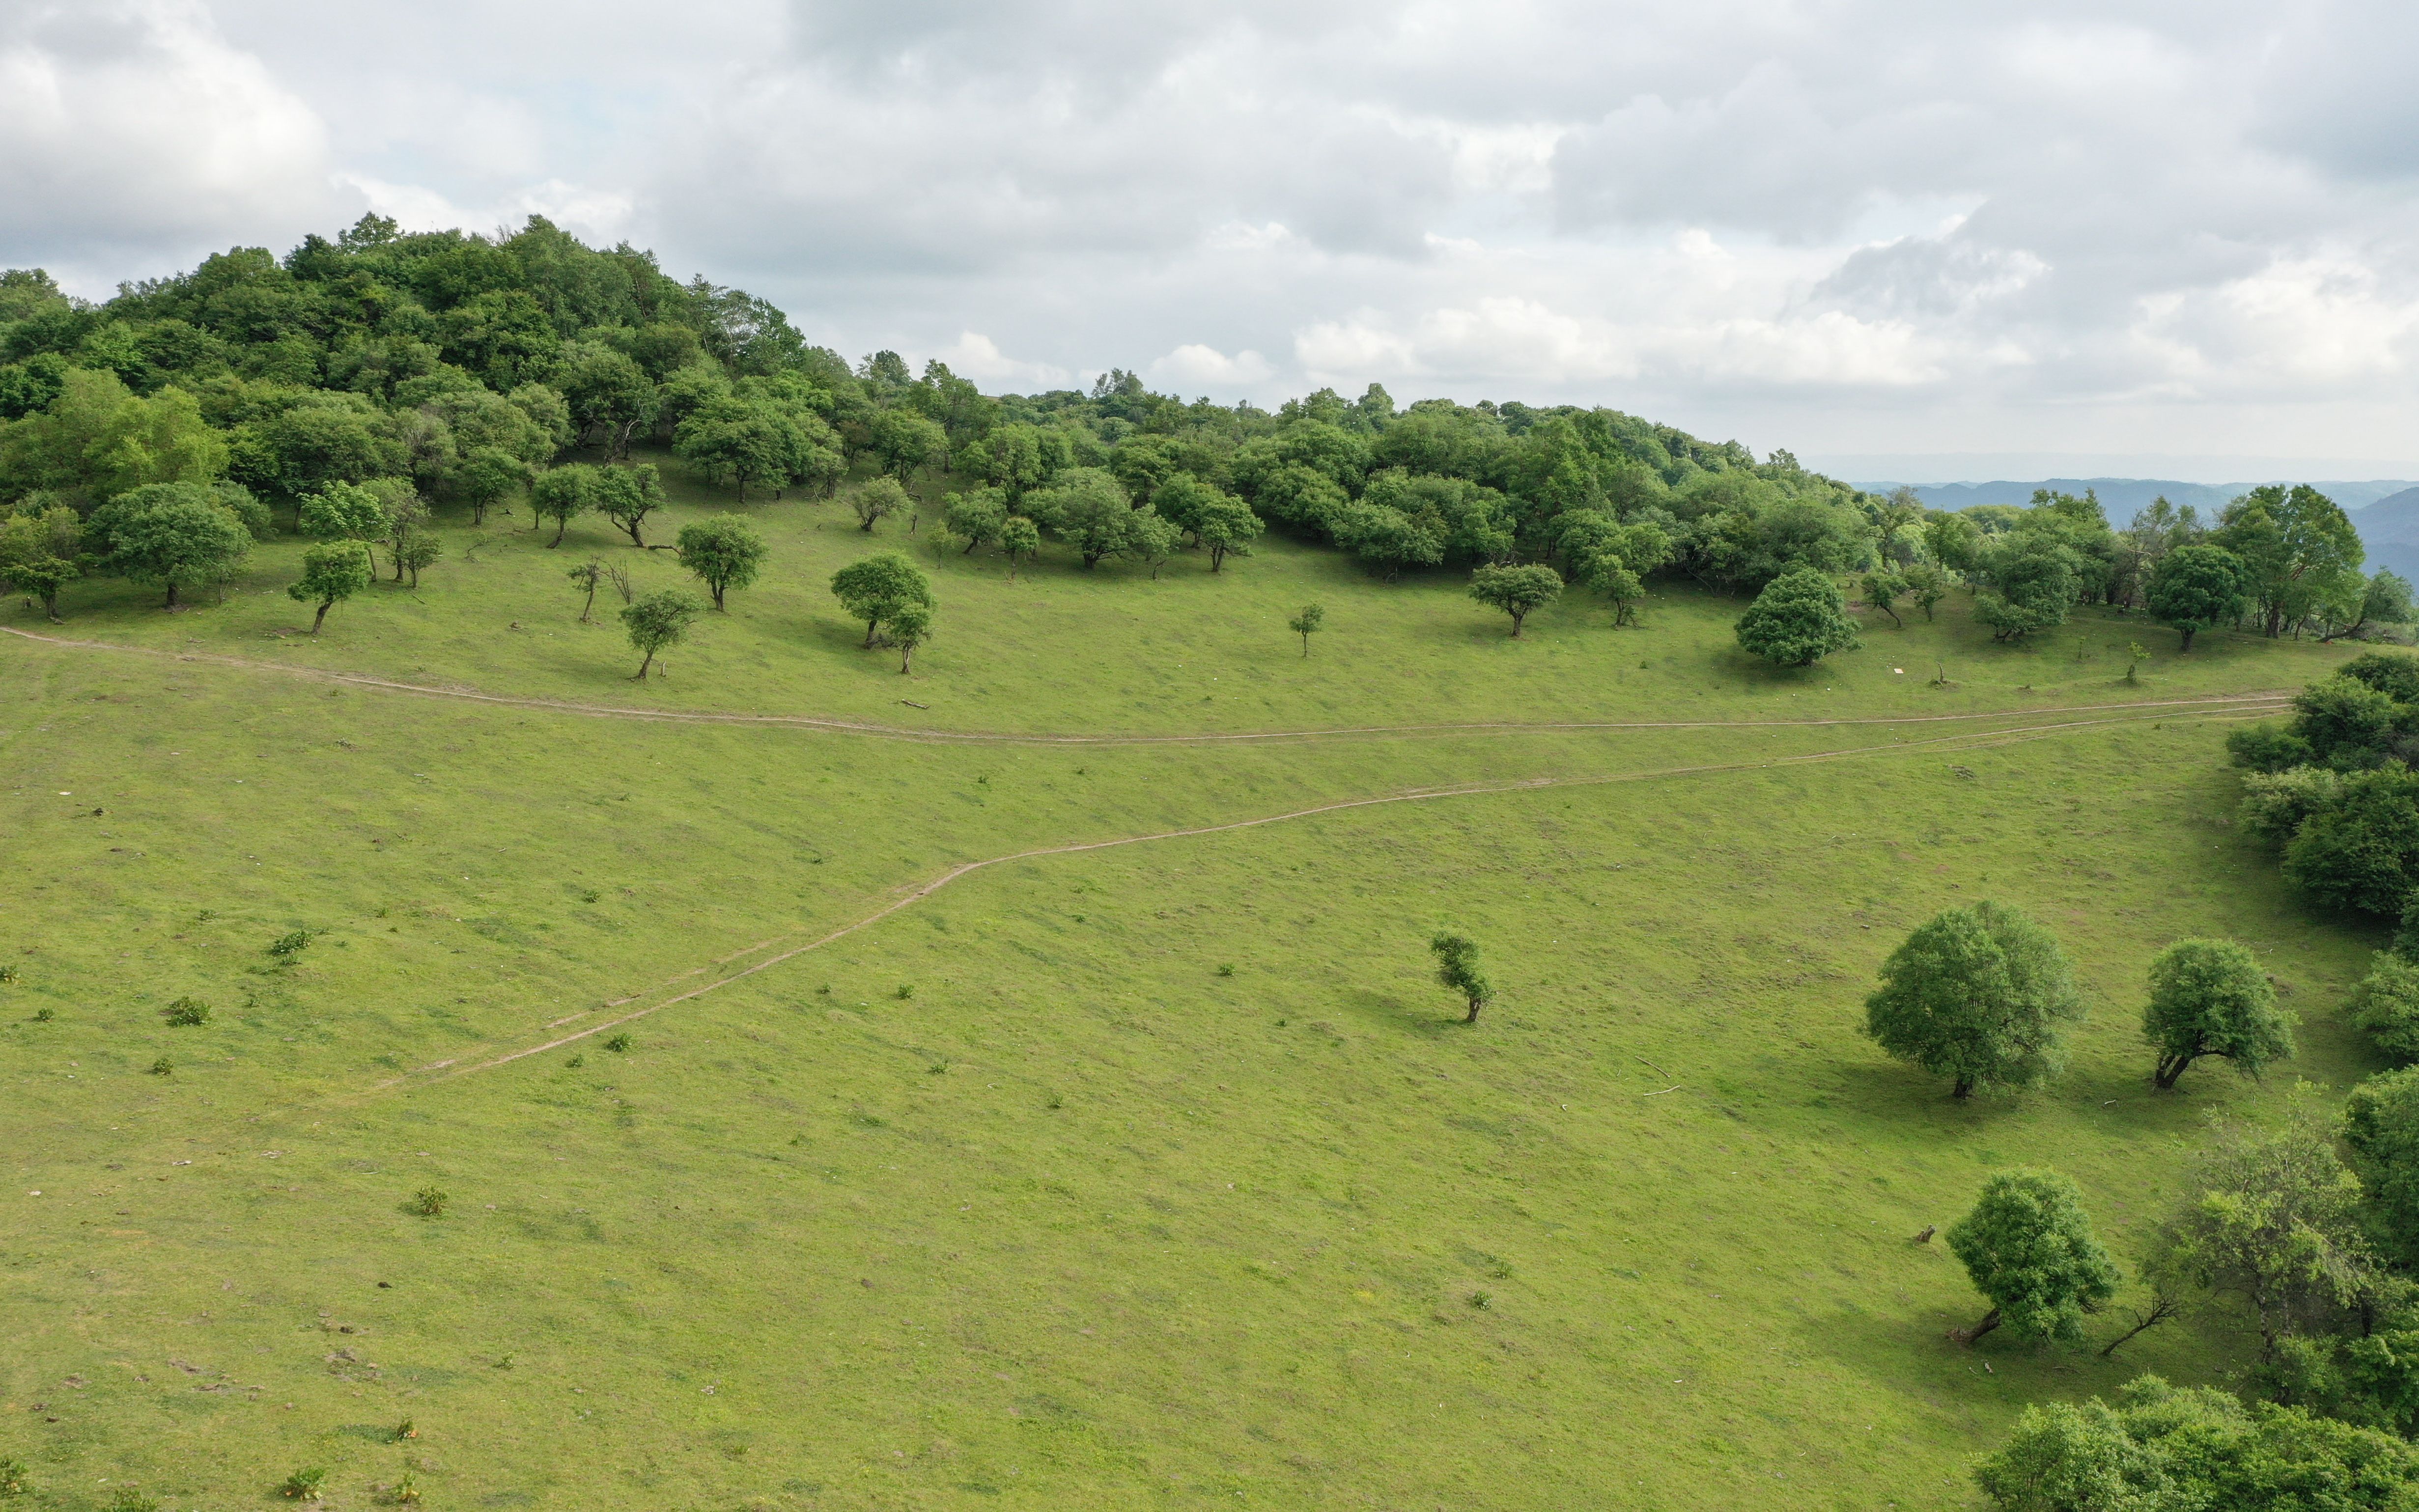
x: 2172, y: 237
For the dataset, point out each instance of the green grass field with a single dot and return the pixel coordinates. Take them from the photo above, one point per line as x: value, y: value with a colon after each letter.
x: 1151, y: 1174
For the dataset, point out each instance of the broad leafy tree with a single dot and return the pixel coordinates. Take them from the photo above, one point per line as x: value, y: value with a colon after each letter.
x: 1087, y: 509
x: 2386, y: 1004
x: 1978, y: 994
x: 2165, y: 1446
x: 1020, y: 539
x: 910, y: 628
x: 2272, y: 1217
x: 975, y: 517
x: 1457, y: 967
x: 1799, y: 618
x: 1227, y: 527
x: 1519, y: 592
x: 333, y: 572
x: 2029, y: 1249
x: 418, y: 552
x: 904, y: 441
x: 345, y: 512
x: 725, y: 552
x: 658, y: 622
x: 879, y: 498
x: 2295, y: 545
x: 170, y: 533
x: 627, y: 495
x: 879, y: 588
x: 40, y: 548
x: 2208, y: 997
x: 560, y: 494
x: 2195, y: 587
x: 486, y: 477
x: 2381, y: 1127
x: 1882, y: 590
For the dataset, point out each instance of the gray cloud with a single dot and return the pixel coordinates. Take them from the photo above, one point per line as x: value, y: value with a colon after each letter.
x: 1877, y: 225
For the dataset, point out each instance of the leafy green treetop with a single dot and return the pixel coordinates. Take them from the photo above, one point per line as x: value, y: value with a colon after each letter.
x: 1227, y: 526
x: 2029, y: 1248
x: 1976, y: 994
x: 1456, y: 958
x: 39, y: 547
x: 2208, y: 997
x: 880, y: 588
x: 658, y: 622
x: 1800, y: 618
x: 627, y: 495
x: 170, y: 533
x: 1517, y: 591
x: 2195, y: 587
x: 333, y: 572
x: 1312, y: 619
x: 911, y: 625
x: 878, y: 498
x: 725, y: 552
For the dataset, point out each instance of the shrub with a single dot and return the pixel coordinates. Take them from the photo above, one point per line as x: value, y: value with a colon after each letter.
x: 186, y: 1013
x: 2386, y: 1005
x: 12, y: 1476
x: 7, y: 973
x: 162, y: 1067
x: 45, y: 1015
x: 407, y: 1490
x: 286, y: 947
x: 303, y: 1485
x: 2361, y: 851
x: 2269, y: 747
x: 1800, y: 618
x: 129, y: 1499
x: 2275, y: 803
x: 429, y: 1202
x: 618, y: 1043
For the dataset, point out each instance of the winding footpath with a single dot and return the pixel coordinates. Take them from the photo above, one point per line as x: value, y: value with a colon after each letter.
x: 781, y: 948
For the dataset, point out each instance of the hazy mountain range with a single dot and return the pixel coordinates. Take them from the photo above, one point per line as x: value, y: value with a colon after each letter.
x: 2384, y: 511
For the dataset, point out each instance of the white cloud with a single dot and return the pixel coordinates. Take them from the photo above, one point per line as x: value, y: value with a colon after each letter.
x: 127, y: 124
x: 976, y: 356
x: 1194, y: 366
x: 1888, y: 227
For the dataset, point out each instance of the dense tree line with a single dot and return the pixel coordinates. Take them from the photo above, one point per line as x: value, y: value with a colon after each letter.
x: 447, y: 370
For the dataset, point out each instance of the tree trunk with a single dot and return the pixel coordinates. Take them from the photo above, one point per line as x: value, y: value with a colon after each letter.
x: 321, y: 618
x: 871, y: 626
x: 971, y: 542
x: 172, y: 595
x: 588, y: 606
x: 906, y: 654
x: 2170, y: 1069
x: 562, y: 523
x: 51, y: 606
x: 718, y: 596
x: 633, y: 527
x: 1471, y: 1017
x: 2188, y: 632
x: 1217, y: 558
x: 1968, y: 1336
x: 1517, y: 617
x: 1963, y: 1089
x: 1306, y: 648
x: 642, y: 668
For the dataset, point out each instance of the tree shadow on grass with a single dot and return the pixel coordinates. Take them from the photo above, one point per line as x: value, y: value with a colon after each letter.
x: 1427, y: 1021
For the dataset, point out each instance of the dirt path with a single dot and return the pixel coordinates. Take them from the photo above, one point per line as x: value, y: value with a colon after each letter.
x: 884, y: 732
x: 1965, y: 740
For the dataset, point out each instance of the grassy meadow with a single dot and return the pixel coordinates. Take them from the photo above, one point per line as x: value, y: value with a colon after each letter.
x: 1154, y: 1174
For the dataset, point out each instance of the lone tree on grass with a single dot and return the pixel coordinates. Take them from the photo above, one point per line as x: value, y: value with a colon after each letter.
x: 1019, y: 538
x: 1800, y: 618
x: 1456, y: 958
x: 881, y: 497
x: 171, y: 533
x: 880, y: 589
x: 486, y: 476
x: 975, y: 518
x: 330, y: 573
x: 627, y: 495
x: 2194, y: 587
x: 560, y: 493
x: 1516, y: 591
x: 725, y: 552
x: 1975, y: 994
x: 1227, y: 527
x: 2208, y: 997
x: 2030, y: 1250
x: 585, y: 578
x: 910, y: 628
x: 658, y: 622
x: 1882, y: 590
x: 1312, y: 619
x: 416, y: 551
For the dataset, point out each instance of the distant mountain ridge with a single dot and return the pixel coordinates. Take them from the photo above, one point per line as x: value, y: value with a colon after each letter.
x: 2385, y: 511
x: 2122, y: 496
